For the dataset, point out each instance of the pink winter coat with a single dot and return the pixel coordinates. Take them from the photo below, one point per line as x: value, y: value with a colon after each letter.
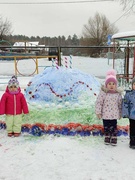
x: 109, y: 104
x: 13, y: 104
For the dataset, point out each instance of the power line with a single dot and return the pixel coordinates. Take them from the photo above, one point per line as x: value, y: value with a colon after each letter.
x: 123, y: 15
x: 47, y: 3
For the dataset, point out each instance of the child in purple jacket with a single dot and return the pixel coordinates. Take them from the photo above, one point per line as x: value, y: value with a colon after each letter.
x: 128, y: 111
x: 109, y: 106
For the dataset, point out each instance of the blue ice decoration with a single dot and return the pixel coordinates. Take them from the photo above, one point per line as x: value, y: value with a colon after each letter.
x: 61, y: 85
x: 36, y: 131
x: 25, y: 129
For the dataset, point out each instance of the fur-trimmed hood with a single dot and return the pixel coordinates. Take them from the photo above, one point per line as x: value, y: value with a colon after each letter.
x: 118, y: 90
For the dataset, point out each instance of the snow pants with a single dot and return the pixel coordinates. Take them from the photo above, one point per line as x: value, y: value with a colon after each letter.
x: 14, y: 123
x: 132, y: 131
x: 110, y: 127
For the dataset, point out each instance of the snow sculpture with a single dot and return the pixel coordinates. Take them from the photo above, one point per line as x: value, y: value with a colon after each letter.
x: 61, y: 86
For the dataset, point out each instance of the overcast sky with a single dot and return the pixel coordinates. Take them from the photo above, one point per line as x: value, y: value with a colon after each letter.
x: 61, y: 19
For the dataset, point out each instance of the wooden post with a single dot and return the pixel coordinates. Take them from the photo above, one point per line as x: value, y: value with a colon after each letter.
x: 113, y: 53
x: 127, y: 69
x: 134, y: 64
x: 59, y: 56
x: 37, y: 65
x: 15, y: 64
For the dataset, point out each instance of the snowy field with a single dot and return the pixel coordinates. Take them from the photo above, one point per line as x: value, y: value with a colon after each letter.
x: 62, y: 158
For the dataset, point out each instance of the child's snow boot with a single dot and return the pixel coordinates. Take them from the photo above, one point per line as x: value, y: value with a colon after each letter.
x: 132, y: 146
x: 10, y: 134
x: 132, y: 142
x: 107, y: 140
x: 16, y: 134
x: 113, y: 140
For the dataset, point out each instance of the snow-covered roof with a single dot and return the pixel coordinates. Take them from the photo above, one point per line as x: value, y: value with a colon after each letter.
x: 128, y: 36
x: 34, y: 43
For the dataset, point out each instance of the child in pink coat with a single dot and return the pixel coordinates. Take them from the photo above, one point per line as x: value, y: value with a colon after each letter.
x: 13, y: 104
x: 109, y: 107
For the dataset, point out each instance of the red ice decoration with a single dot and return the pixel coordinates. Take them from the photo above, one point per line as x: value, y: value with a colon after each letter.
x: 61, y: 95
x: 67, y: 129
x: 66, y: 63
x: 29, y: 83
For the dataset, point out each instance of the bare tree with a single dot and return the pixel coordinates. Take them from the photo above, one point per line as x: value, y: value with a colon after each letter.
x: 5, y: 28
x: 128, y: 5
x: 97, y: 30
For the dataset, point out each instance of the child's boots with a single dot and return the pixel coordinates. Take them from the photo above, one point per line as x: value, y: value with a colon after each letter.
x: 10, y: 134
x: 110, y: 140
x: 107, y: 140
x: 113, y: 140
x: 14, y: 134
x: 17, y: 134
x: 132, y: 142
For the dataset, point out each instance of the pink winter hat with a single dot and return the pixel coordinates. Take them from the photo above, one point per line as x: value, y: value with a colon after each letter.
x: 111, y: 77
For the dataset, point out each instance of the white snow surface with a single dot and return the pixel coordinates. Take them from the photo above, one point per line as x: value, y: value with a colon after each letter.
x: 124, y: 34
x: 63, y: 158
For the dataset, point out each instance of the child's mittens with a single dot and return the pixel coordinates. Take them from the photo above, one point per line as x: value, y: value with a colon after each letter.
x: 98, y: 116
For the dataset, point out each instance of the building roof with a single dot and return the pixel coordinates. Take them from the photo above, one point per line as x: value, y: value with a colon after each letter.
x: 34, y: 43
x: 125, y: 36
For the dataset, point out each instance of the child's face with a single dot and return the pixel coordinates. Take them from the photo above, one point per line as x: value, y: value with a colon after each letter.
x: 111, y: 86
x: 13, y: 88
x: 134, y: 86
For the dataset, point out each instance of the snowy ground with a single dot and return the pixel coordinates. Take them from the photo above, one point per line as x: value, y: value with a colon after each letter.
x: 63, y: 158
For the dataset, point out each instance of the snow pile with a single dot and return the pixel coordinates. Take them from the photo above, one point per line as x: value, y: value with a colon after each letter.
x: 62, y: 86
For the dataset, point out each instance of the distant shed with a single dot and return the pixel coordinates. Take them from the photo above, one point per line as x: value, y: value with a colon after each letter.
x: 25, y: 44
x: 125, y: 40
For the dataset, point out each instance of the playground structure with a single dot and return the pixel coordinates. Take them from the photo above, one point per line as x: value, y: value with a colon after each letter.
x: 125, y: 42
x: 65, y: 62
